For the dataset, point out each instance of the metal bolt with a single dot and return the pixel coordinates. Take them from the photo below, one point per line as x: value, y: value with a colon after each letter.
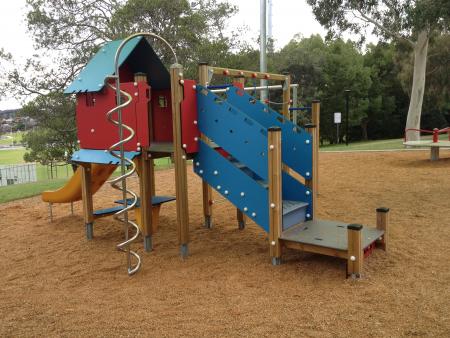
x: 138, y: 148
x: 197, y: 164
x: 138, y: 144
x: 253, y: 214
x: 200, y: 172
x: 242, y: 194
x: 271, y: 147
x: 226, y: 192
x: 136, y: 94
x: 272, y: 205
x: 181, y: 81
x: 196, y: 139
x: 92, y: 130
x: 78, y: 141
x: 183, y: 157
x: 184, y: 146
x: 245, y: 208
x: 194, y: 87
x: 308, y: 192
x: 307, y: 141
x: 180, y: 74
x: 307, y: 173
x: 219, y: 187
x: 308, y: 215
x: 135, y: 84
x: 195, y: 122
x: 215, y: 172
x: 105, y: 150
x: 273, y: 243
x: 352, y: 258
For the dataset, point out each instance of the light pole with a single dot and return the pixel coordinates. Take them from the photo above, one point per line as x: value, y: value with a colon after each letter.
x: 347, y: 97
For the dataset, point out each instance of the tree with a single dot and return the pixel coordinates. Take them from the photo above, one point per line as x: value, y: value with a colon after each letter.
x: 55, y: 137
x: 412, y: 22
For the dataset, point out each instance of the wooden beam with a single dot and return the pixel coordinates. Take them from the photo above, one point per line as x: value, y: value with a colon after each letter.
x: 206, y: 189
x: 383, y: 224
x: 86, y: 193
x: 315, y: 249
x: 176, y: 74
x: 275, y: 193
x: 355, y: 254
x: 287, y: 96
x: 247, y: 74
x: 316, y: 142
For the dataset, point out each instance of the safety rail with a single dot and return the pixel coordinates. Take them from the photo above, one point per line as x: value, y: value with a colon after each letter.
x: 435, y: 132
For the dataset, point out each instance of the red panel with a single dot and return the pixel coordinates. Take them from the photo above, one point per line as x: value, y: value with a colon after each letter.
x: 96, y: 132
x: 189, y: 130
x: 162, y: 116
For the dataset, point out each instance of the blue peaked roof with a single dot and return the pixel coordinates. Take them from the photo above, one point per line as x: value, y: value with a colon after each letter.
x: 138, y: 54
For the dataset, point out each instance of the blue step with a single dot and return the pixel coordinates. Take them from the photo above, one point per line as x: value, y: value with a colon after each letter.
x: 294, y: 212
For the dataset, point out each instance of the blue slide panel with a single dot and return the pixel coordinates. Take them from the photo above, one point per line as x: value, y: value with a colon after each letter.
x: 233, y: 130
x: 296, y: 142
x: 293, y: 190
x: 232, y: 183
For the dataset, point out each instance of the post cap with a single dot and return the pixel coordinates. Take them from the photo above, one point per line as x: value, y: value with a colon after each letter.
x: 203, y: 63
x: 383, y: 209
x: 310, y: 126
x: 274, y: 128
x: 315, y: 101
x: 356, y: 227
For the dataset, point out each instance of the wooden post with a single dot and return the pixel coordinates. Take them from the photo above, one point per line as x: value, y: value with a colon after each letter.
x: 383, y: 224
x: 287, y: 97
x: 145, y: 214
x: 176, y: 75
x: 315, y: 112
x: 142, y: 77
x: 240, y: 82
x: 86, y: 193
x: 206, y: 189
x: 311, y: 182
x: 275, y: 194
x: 355, y: 255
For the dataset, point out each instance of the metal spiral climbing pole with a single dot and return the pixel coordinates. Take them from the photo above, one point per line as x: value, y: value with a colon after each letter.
x: 122, y: 215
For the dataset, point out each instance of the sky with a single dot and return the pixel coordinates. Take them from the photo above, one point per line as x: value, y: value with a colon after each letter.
x: 290, y: 17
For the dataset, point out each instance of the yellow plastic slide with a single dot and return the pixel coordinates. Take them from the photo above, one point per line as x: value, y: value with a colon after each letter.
x: 71, y: 192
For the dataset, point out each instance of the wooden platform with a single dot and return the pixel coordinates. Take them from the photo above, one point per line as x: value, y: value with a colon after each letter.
x: 325, y: 237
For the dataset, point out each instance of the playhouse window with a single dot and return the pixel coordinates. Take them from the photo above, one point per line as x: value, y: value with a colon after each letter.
x: 162, y: 101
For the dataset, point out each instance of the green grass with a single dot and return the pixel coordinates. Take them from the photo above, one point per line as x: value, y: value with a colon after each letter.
x: 6, y: 139
x: 19, y: 191
x: 368, y: 145
x: 12, y: 156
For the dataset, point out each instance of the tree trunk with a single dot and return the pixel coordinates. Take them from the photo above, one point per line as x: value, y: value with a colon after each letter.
x: 418, y: 86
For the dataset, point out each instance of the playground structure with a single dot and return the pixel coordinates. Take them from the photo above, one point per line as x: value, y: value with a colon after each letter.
x: 434, y: 144
x: 255, y: 157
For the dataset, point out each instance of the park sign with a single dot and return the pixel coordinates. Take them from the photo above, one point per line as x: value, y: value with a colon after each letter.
x: 337, y: 117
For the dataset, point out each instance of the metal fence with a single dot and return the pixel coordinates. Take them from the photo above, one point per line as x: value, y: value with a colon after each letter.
x: 17, y: 174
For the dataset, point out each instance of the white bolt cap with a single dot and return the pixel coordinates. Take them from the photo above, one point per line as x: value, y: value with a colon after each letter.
x: 201, y: 172
x: 197, y: 164
x: 245, y: 208
x: 219, y: 187
x: 271, y: 147
x: 273, y: 243
x: 226, y: 192
x: 135, y: 84
x: 308, y: 215
x: 307, y: 141
x: 307, y: 192
x: 215, y: 172
x: 180, y: 74
x: 136, y: 94
x: 183, y: 157
x: 194, y: 87
x: 272, y: 205
x: 242, y: 194
x: 307, y: 173
x: 196, y: 139
x: 138, y: 144
x: 352, y: 258
x: 253, y: 214
x: 184, y: 146
x: 181, y: 81
x: 92, y: 130
x: 195, y: 122
x: 138, y: 148
x: 78, y: 141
